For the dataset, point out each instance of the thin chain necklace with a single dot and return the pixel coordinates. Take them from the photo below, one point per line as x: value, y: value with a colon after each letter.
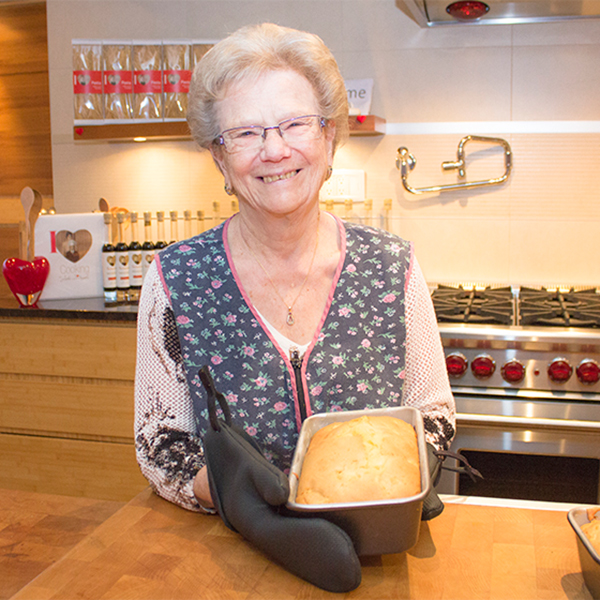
x: 290, y: 320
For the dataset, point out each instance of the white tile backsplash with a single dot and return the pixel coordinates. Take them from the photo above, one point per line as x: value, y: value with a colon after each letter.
x: 539, y: 227
x: 556, y: 82
x: 555, y: 251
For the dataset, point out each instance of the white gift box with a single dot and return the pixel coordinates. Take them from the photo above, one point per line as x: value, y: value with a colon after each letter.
x: 72, y: 243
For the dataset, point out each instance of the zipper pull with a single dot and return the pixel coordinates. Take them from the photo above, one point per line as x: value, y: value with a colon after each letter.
x: 295, y: 357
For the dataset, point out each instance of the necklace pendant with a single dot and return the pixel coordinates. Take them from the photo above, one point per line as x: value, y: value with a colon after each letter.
x: 290, y: 318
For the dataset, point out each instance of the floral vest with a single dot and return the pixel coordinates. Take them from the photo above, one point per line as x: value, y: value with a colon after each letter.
x: 355, y: 361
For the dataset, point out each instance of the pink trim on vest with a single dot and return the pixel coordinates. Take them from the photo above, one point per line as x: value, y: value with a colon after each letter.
x: 286, y: 359
x: 410, y: 269
x: 336, y: 277
x: 162, y: 278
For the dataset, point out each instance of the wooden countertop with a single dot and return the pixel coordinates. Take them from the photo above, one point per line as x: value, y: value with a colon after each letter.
x: 36, y: 530
x: 151, y: 549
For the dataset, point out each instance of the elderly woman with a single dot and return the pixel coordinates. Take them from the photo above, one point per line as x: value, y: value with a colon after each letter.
x: 295, y: 311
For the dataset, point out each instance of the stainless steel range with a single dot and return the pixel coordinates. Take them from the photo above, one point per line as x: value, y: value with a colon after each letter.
x: 524, y: 369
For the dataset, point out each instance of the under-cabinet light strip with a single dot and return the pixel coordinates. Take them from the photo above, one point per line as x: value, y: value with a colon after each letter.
x: 483, y: 127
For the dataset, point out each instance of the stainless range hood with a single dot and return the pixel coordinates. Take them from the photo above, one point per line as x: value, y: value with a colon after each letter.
x: 430, y: 13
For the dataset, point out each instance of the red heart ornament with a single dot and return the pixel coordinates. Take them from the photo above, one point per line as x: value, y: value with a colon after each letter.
x: 361, y: 118
x: 25, y: 278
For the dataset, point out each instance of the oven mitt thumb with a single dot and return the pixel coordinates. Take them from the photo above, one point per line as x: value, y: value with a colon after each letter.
x: 247, y: 491
x: 432, y: 505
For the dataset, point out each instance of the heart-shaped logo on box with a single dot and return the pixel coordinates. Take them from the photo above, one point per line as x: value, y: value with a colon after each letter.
x: 73, y: 246
x: 25, y: 278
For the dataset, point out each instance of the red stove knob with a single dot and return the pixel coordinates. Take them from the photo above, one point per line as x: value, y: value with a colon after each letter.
x: 513, y: 371
x: 483, y: 366
x: 560, y: 370
x: 588, y: 371
x: 456, y: 364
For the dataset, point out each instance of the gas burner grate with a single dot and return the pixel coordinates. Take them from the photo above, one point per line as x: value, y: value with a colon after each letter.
x: 559, y: 308
x: 489, y: 305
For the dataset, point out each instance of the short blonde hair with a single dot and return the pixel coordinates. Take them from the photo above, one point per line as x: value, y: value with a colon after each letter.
x: 252, y: 51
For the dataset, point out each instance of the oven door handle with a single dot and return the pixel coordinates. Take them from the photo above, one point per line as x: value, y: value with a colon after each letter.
x: 526, y: 422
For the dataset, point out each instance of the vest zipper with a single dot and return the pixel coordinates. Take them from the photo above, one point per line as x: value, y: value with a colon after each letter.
x: 296, y: 361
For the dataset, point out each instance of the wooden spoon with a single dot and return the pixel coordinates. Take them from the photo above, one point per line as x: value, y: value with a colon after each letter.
x: 32, y: 204
x: 33, y: 217
x: 27, y: 200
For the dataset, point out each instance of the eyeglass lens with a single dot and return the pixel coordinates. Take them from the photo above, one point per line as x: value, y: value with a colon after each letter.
x: 292, y: 131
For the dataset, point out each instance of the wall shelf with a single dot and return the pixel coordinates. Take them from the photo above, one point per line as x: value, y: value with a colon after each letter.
x: 127, y: 132
x: 368, y: 125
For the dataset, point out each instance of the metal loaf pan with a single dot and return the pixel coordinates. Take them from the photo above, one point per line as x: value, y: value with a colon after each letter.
x: 379, y: 527
x: 589, y: 558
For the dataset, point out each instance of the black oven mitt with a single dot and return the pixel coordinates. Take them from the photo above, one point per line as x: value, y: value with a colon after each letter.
x: 432, y: 504
x: 248, y: 491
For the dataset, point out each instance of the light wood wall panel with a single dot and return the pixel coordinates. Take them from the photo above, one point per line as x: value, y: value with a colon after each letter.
x: 23, y: 38
x: 69, y: 349
x: 67, y: 406
x: 24, y: 100
x: 11, y: 244
x: 69, y: 467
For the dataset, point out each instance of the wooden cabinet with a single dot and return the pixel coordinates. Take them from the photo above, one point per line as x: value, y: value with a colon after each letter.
x: 66, y: 408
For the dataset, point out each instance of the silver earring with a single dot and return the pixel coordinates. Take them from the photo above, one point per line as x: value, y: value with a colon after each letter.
x: 329, y: 172
x: 228, y: 189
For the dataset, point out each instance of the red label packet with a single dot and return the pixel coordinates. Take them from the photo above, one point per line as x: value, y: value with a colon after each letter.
x: 87, y: 82
x: 118, y: 82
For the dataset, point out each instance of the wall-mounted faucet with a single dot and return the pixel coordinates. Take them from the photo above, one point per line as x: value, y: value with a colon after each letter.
x: 406, y: 162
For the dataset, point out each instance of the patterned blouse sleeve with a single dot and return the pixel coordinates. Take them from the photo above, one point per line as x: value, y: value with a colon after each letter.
x: 168, y: 449
x: 426, y: 384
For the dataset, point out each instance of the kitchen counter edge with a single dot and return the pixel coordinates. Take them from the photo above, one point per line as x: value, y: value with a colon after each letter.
x: 81, y: 309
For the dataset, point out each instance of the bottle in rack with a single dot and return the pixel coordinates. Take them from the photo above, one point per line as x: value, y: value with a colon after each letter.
x: 109, y: 259
x: 160, y: 231
x: 329, y: 206
x: 200, y: 217
x: 135, y: 261
x: 187, y: 224
x: 387, y: 209
x: 348, y: 204
x: 368, y: 208
x: 122, y: 254
x: 147, y: 246
x: 174, y: 227
x: 216, y: 213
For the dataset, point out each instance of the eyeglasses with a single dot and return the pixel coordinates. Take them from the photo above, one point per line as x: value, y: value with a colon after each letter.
x: 252, y: 137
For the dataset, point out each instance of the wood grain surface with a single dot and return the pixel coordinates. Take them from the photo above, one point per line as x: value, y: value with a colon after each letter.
x: 38, y: 529
x: 12, y: 243
x: 69, y: 349
x: 70, y: 467
x: 151, y: 549
x: 24, y: 99
x: 67, y: 408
